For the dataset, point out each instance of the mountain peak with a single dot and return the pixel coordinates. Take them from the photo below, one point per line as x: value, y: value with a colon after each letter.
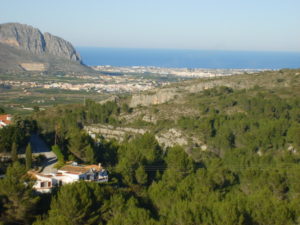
x: 32, y: 40
x: 24, y: 48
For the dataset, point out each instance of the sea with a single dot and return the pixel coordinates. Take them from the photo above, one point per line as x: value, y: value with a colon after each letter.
x: 178, y: 58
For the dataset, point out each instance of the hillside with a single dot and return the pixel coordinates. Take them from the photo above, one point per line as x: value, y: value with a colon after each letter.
x: 177, y: 113
x: 211, y: 151
x: 24, y: 48
x: 180, y: 114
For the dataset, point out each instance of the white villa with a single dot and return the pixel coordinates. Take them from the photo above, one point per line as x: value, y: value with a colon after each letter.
x: 68, y: 174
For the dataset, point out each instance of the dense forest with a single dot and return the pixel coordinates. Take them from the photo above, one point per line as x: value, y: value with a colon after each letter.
x: 250, y: 173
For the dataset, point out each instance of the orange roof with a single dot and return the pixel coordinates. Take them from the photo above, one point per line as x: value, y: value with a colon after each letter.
x: 5, y: 118
x: 76, y: 173
x: 33, y: 174
x: 79, y: 169
x: 45, y: 175
x: 74, y: 169
x: 95, y: 167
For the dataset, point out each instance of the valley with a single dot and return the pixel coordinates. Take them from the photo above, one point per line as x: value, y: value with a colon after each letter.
x: 21, y: 92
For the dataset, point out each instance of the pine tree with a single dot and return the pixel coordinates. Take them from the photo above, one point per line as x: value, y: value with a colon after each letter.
x: 28, y: 158
x: 14, y: 152
x: 179, y: 164
x: 58, y: 153
x: 19, y: 201
x: 76, y: 204
x: 141, y: 176
x: 89, y: 154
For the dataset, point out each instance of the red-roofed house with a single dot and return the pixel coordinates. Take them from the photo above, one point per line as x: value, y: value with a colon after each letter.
x: 5, y: 120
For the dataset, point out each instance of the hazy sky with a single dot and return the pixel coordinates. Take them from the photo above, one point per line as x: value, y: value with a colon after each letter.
x: 185, y: 24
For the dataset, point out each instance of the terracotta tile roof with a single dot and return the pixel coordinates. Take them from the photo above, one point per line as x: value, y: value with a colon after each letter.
x: 74, y: 169
x: 80, y: 169
x: 76, y: 173
x: 33, y: 174
x: 5, y: 118
x: 95, y: 167
x: 45, y: 175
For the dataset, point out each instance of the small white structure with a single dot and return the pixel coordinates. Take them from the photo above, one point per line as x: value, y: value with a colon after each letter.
x: 68, y: 174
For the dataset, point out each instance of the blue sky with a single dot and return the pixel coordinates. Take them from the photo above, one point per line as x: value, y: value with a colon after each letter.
x: 258, y: 25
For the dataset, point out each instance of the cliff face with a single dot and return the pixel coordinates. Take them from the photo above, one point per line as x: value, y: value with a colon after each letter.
x: 163, y: 95
x: 31, y: 40
x: 59, y: 47
x: 160, y: 96
x: 22, y: 37
x: 25, y: 49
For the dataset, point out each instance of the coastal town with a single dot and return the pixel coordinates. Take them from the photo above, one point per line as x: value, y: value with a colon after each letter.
x: 100, y: 84
x: 120, y: 79
x: 176, y: 72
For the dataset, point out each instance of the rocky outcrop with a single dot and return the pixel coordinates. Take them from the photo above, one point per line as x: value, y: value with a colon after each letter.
x: 160, y: 96
x: 167, y: 138
x: 171, y: 137
x: 110, y: 132
x: 33, y: 41
x: 112, y: 98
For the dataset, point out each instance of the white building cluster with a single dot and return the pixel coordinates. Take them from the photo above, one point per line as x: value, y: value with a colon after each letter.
x: 99, y: 87
x: 178, y: 72
x: 69, y: 173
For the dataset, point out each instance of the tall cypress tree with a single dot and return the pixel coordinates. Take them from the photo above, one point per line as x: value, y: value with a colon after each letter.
x: 90, y: 154
x: 28, y: 158
x: 14, y: 152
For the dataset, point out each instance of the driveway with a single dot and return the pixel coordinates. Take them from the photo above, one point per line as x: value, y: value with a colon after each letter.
x: 39, y: 147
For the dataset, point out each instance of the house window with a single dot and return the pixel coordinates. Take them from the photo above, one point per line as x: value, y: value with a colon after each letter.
x: 87, y: 177
x: 42, y: 184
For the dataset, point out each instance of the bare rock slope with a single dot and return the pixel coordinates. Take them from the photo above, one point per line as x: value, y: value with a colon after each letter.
x: 20, y: 43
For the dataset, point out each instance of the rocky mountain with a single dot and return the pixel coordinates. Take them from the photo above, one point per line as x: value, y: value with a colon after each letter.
x: 25, y: 48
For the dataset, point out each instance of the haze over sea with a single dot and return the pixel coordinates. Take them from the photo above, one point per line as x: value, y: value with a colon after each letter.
x: 176, y: 58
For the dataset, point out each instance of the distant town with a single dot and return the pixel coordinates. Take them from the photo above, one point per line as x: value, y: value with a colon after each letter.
x: 123, y: 79
x: 179, y: 72
x: 100, y: 84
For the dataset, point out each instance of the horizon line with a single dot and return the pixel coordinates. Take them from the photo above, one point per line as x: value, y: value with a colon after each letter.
x: 190, y: 49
